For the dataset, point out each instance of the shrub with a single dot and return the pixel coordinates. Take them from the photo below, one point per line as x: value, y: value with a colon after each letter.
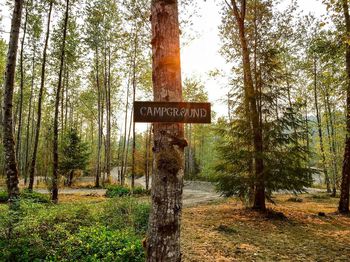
x: 141, y: 191
x: 100, y: 244
x: 27, y: 195
x: 3, y: 197
x: 117, y: 191
x: 126, y: 213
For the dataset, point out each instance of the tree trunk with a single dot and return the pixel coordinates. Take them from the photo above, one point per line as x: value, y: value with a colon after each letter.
x: 41, y: 90
x: 345, y: 184
x: 21, y: 89
x: 163, y: 241
x: 98, y: 167
x: 250, y: 95
x: 133, y: 124
x: 57, y: 103
x: 9, y: 143
x: 318, y: 116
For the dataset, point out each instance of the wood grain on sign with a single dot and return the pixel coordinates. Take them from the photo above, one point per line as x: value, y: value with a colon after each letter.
x: 172, y: 112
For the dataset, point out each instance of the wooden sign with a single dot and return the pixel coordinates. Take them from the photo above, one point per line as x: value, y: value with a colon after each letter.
x: 172, y: 112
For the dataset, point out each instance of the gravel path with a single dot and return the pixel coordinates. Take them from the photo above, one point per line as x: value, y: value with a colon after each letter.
x: 195, y: 192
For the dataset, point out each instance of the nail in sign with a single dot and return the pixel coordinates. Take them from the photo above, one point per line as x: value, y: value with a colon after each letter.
x: 172, y: 112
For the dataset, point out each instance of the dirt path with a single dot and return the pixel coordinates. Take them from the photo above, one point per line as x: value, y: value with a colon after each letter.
x: 194, y: 193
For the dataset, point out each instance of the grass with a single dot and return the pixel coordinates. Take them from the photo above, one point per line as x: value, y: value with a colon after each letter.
x: 229, y: 232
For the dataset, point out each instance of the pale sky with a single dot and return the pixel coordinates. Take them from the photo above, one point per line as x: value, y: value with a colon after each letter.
x: 201, y: 55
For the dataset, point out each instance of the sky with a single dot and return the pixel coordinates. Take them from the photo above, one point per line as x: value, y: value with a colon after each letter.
x: 201, y: 55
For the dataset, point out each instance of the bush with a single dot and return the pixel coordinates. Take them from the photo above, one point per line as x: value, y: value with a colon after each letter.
x: 120, y: 191
x: 107, y: 231
x: 27, y: 195
x: 117, y: 191
x: 126, y: 213
x: 100, y: 244
x: 3, y: 197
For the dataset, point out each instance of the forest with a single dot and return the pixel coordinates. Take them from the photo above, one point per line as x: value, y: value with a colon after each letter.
x: 267, y: 180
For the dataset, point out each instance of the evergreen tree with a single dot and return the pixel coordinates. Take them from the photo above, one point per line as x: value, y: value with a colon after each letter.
x: 75, y: 155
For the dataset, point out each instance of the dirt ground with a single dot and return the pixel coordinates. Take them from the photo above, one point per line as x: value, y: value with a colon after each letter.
x: 226, y: 231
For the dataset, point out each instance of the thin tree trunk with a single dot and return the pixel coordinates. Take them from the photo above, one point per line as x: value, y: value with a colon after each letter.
x: 333, y: 146
x: 133, y: 124
x: 163, y: 240
x: 8, y: 139
x: 21, y: 61
x: 108, y: 106
x: 98, y: 168
x: 57, y: 102
x: 28, y: 140
x: 41, y: 90
x: 345, y: 184
x: 319, y: 126
x: 122, y: 178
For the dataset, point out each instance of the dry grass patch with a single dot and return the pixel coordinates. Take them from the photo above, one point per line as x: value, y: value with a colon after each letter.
x: 229, y: 232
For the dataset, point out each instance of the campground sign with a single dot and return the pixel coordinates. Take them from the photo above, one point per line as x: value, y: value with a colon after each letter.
x: 172, y: 112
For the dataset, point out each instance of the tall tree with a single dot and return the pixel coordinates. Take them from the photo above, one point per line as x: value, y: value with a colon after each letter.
x: 41, y: 90
x: 8, y: 139
x: 345, y: 184
x: 239, y: 13
x: 55, y: 177
x: 163, y: 240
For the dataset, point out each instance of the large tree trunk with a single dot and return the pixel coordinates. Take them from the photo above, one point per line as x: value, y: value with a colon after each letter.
x: 345, y: 184
x: 250, y: 96
x: 9, y: 143
x: 55, y: 177
x: 41, y: 90
x: 163, y: 241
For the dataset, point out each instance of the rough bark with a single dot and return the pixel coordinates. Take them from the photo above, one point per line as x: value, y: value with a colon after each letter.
x: 41, y: 90
x: 250, y: 95
x: 8, y: 139
x: 55, y: 176
x: 345, y: 184
x: 163, y: 241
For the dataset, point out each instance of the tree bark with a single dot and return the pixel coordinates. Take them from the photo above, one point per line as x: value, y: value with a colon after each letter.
x: 9, y: 143
x: 41, y: 90
x: 163, y: 241
x: 57, y: 103
x: 345, y: 184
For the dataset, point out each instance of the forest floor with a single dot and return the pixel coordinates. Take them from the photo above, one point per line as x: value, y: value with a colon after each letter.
x: 226, y: 231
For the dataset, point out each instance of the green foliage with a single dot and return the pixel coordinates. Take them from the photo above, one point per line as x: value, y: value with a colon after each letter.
x: 126, y: 212
x: 75, y: 153
x: 27, y: 195
x: 120, y: 191
x: 107, y: 231
x: 100, y: 244
x: 117, y: 191
x: 3, y: 197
